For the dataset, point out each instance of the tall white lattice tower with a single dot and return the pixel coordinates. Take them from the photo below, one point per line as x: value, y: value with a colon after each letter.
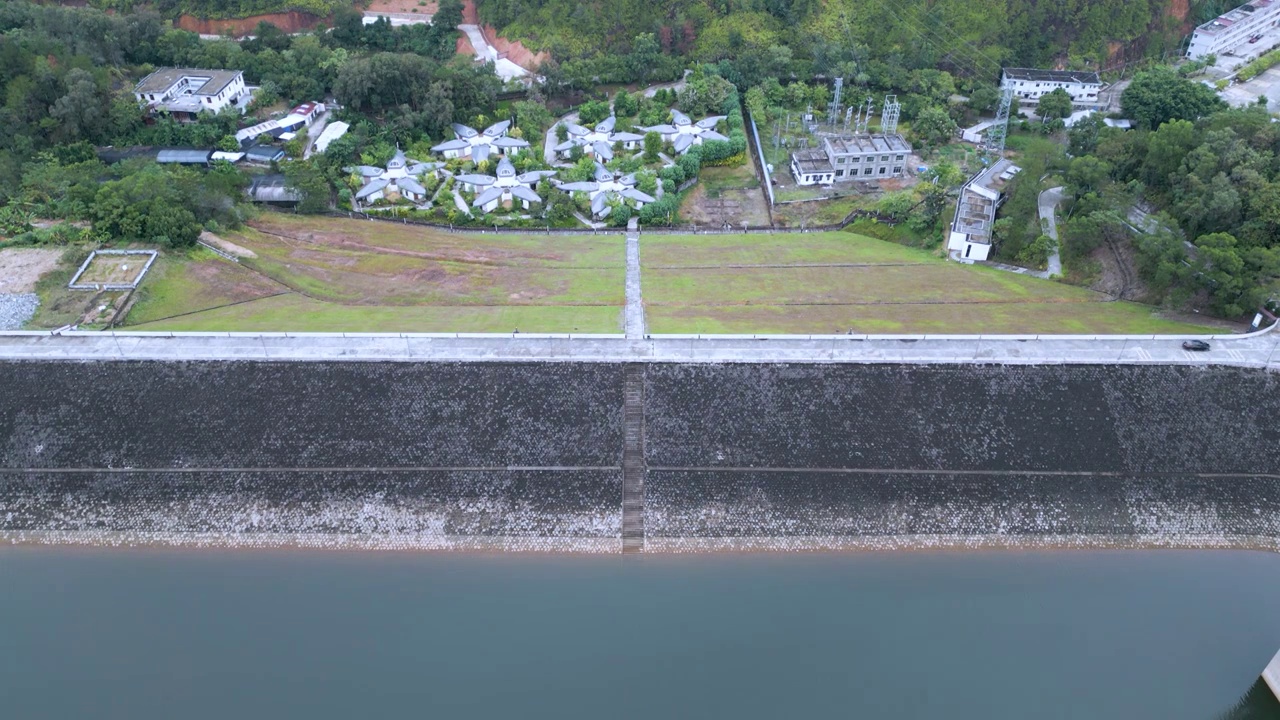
x: 993, y: 141
x: 889, y: 116
x: 833, y: 111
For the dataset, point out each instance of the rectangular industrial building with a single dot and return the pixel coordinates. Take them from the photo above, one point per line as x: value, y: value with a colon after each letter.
x: 851, y: 157
x: 1233, y: 28
x: 970, y: 238
x: 1029, y: 85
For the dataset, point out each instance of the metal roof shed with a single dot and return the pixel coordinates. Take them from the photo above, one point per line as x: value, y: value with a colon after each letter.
x: 184, y: 157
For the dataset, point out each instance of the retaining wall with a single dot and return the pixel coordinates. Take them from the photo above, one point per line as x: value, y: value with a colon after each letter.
x: 527, y: 456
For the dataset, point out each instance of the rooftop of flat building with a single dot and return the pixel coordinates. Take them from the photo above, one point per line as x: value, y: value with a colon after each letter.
x: 868, y: 143
x: 1072, y: 76
x: 1231, y: 17
x: 812, y: 162
x: 164, y: 78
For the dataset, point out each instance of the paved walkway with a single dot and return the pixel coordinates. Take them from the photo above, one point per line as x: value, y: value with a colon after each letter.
x: 1256, y: 350
x: 634, y: 313
x: 1049, y: 201
x: 485, y: 52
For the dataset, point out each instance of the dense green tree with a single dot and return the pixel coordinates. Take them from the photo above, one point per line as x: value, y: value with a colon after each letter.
x: 933, y: 127
x: 1158, y: 96
x: 1054, y: 105
x: 652, y: 146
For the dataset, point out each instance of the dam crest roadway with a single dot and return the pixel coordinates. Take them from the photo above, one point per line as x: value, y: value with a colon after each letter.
x: 1257, y: 349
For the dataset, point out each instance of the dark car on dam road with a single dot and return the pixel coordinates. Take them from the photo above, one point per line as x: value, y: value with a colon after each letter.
x: 1197, y: 345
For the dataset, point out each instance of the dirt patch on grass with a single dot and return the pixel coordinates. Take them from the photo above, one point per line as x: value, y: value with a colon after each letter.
x: 21, y: 268
x: 726, y: 196
x: 226, y: 246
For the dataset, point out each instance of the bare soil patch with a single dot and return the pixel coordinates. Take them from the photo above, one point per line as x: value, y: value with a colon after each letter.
x: 20, y: 268
x: 402, y: 6
x: 226, y: 246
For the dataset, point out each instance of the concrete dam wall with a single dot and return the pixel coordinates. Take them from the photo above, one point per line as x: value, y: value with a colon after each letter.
x: 564, y: 456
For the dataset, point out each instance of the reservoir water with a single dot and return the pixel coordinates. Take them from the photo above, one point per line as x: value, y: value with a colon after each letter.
x: 143, y: 634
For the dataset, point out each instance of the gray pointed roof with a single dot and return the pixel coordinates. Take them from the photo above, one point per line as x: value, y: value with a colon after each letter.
x: 464, y: 131
x: 606, y: 125
x: 454, y: 144
x: 713, y: 135
x: 398, y: 160
x: 598, y: 204
x: 480, y: 152
x: 709, y: 123
x: 683, y: 142
x: 634, y: 194
x: 370, y: 189
x: 510, y: 142
x: 477, y: 180
x: 497, y: 128
x: 579, y: 187
x: 566, y: 145
x: 603, y: 174
x: 408, y: 183
x: 662, y: 129
x: 363, y: 170
x: 505, y: 168
x: 678, y: 118
x: 603, y: 149
x: 625, y: 137
x: 575, y: 129
x: 628, y: 179
x: 487, y: 196
x: 525, y: 193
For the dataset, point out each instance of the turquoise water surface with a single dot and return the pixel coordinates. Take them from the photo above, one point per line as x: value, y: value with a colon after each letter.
x: 145, y: 634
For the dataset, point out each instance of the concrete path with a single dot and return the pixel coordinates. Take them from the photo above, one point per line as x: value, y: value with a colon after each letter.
x: 1049, y: 201
x: 1254, y: 350
x: 549, y: 143
x: 397, y: 19
x: 485, y: 52
x: 633, y: 315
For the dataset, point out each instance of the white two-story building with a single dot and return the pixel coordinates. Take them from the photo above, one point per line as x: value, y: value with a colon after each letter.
x: 1029, y: 85
x: 187, y: 92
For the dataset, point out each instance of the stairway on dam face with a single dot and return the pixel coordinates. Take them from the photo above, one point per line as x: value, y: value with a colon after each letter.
x: 633, y: 459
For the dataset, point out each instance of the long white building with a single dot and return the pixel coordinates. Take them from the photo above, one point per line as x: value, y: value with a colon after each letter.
x: 1029, y: 84
x: 1233, y: 28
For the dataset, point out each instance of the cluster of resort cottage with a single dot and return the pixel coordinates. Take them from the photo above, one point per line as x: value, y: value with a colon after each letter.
x: 482, y: 164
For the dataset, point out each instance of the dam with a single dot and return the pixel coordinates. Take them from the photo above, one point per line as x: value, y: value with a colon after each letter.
x: 657, y: 457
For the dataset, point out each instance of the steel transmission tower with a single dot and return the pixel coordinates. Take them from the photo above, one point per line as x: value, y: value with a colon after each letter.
x: 833, y: 112
x: 889, y: 116
x: 993, y: 141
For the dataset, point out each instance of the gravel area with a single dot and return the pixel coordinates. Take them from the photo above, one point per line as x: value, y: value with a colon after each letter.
x: 16, y: 310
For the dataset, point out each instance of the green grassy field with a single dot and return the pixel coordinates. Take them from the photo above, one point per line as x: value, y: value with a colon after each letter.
x: 841, y: 282
x: 351, y: 275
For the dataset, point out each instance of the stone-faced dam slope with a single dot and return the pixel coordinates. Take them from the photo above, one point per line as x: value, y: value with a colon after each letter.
x: 595, y: 457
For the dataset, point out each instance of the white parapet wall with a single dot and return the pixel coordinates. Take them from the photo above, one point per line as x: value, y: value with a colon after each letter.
x: 1271, y: 675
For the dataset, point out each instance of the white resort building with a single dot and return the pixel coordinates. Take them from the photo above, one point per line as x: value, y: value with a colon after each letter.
x: 1242, y: 26
x: 597, y: 142
x: 398, y: 180
x: 476, y: 145
x: 609, y: 187
x: 1029, y: 85
x: 506, y: 189
x: 843, y: 158
x: 683, y: 133
x: 970, y: 237
x: 187, y: 92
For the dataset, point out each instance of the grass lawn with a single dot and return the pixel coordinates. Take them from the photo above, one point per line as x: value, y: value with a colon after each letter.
x: 837, y: 282
x: 357, y: 275
x: 301, y: 314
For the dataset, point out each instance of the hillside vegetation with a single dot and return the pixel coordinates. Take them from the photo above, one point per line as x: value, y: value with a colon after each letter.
x: 950, y: 34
